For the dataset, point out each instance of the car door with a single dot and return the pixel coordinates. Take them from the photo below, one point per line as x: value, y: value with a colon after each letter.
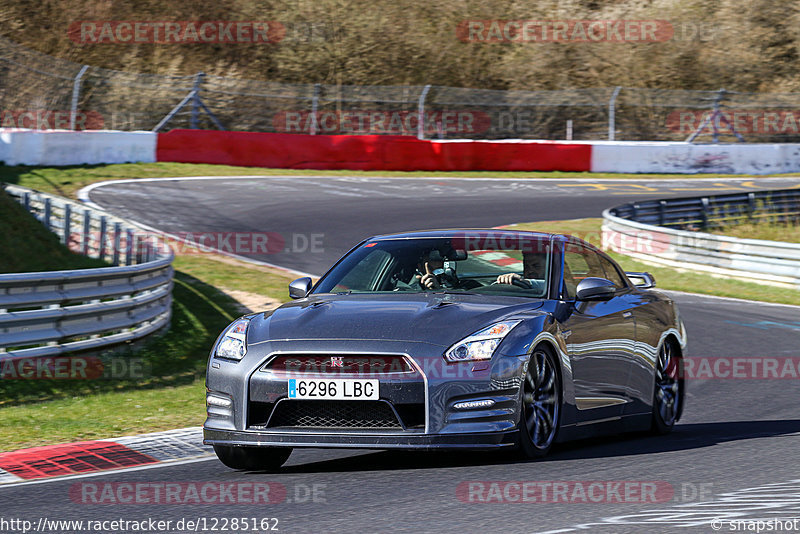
x: 600, y: 338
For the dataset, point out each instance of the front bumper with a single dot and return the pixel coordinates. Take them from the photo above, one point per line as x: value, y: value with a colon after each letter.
x: 478, y: 441
x: 424, y: 401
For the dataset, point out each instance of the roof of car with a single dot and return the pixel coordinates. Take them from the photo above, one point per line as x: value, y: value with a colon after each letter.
x: 459, y: 232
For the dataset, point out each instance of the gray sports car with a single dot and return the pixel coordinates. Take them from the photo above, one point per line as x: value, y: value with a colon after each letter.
x: 449, y: 339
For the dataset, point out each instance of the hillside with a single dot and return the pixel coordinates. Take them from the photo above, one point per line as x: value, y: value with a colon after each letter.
x: 750, y: 46
x: 27, y: 246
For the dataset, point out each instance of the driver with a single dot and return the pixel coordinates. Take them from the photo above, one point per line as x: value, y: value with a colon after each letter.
x: 533, y: 267
x: 433, y: 269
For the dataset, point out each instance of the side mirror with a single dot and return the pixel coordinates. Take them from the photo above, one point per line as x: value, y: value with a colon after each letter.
x: 642, y: 280
x: 595, y: 289
x: 299, y: 288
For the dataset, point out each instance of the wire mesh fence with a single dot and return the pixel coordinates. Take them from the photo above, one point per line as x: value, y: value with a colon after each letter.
x: 43, y: 92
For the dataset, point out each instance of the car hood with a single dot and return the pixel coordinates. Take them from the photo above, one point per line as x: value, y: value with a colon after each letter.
x: 436, y: 318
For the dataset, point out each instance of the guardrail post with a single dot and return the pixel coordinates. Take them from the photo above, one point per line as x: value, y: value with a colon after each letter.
x: 67, y: 224
x: 47, y: 212
x: 102, y: 244
x: 129, y: 247
x: 662, y: 212
x: 704, y: 212
x: 87, y: 226
x: 751, y: 205
x: 634, y: 212
x: 26, y: 201
x: 117, y: 236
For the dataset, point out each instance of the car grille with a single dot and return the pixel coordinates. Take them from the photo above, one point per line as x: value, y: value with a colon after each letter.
x: 333, y: 414
x: 362, y: 365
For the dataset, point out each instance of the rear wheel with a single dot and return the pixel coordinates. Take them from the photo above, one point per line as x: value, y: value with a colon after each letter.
x: 667, y: 394
x: 541, y: 405
x: 252, y: 458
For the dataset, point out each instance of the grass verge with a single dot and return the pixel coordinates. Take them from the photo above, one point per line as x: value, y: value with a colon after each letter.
x: 767, y: 231
x: 66, y: 181
x: 170, y: 395
x: 27, y: 246
x: 668, y: 278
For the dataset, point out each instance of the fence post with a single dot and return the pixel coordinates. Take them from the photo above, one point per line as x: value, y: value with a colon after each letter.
x: 117, y: 232
x: 67, y: 224
x: 76, y: 91
x: 87, y: 226
x: 102, y: 245
x: 612, y: 113
x: 47, y: 210
x: 315, y: 108
x: 421, y: 112
x: 198, y: 82
x: 704, y: 212
x: 129, y: 247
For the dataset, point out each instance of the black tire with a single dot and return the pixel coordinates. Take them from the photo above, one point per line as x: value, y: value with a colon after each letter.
x: 540, y: 411
x: 253, y: 458
x: 668, y: 391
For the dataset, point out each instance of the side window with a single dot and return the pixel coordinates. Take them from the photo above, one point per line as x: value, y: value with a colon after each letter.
x: 611, y: 272
x: 580, y: 263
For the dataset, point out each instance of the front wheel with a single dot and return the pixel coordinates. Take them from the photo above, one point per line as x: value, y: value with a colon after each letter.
x: 252, y: 458
x: 667, y: 395
x: 541, y: 405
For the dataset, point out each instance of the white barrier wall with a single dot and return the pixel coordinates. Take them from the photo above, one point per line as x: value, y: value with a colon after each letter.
x: 58, y: 147
x: 687, y: 158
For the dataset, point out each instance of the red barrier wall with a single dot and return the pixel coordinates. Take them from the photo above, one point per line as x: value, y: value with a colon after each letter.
x: 367, y: 152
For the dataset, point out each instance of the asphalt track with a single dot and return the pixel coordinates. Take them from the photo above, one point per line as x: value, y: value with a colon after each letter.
x: 734, y: 455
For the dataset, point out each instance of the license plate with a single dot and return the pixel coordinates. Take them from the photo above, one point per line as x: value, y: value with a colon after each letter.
x: 333, y: 389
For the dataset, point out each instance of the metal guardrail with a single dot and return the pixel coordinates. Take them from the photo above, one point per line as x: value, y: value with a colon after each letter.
x: 667, y: 232
x: 58, y: 312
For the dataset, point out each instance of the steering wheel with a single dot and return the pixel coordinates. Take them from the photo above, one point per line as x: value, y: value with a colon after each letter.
x: 519, y: 282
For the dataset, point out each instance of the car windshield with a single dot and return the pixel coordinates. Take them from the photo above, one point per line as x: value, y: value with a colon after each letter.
x: 487, y: 263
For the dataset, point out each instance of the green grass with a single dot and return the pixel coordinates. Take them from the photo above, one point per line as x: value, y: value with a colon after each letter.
x: 39, y: 412
x: 27, y: 246
x: 102, y: 415
x: 668, y: 278
x: 66, y: 181
x: 767, y: 231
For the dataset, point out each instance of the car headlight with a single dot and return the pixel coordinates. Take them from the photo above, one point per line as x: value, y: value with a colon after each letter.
x: 480, y: 345
x: 233, y: 345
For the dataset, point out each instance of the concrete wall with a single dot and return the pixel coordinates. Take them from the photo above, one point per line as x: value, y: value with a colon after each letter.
x: 57, y: 147
x: 686, y: 158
